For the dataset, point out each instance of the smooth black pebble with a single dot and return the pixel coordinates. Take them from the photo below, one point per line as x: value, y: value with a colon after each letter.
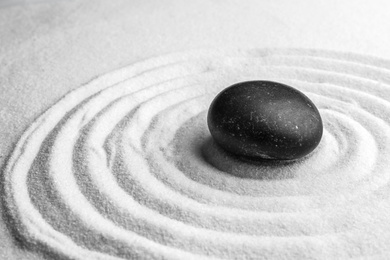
x: 265, y: 120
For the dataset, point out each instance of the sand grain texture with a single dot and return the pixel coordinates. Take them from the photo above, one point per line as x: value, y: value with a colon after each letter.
x: 124, y: 167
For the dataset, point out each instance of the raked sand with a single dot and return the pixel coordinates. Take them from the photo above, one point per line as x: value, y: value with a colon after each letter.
x: 124, y: 166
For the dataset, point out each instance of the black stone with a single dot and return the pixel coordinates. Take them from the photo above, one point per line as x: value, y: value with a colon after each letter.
x: 265, y: 120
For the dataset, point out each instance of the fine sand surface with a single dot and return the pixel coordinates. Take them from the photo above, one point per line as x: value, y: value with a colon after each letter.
x: 123, y: 167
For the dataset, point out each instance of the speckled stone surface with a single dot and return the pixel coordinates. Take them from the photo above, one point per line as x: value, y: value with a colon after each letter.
x: 265, y: 120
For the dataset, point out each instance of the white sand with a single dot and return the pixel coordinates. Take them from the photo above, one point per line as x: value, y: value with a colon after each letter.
x: 116, y: 169
x: 130, y: 171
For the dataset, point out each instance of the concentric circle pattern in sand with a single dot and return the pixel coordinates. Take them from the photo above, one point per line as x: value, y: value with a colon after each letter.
x: 124, y: 167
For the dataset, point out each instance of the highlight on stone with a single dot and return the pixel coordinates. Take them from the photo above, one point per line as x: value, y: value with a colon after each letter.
x: 265, y: 120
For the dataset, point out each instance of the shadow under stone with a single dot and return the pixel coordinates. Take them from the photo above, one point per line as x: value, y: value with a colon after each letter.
x: 247, y: 167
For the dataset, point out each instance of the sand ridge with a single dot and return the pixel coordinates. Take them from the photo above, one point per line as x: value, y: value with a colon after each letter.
x: 124, y: 167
